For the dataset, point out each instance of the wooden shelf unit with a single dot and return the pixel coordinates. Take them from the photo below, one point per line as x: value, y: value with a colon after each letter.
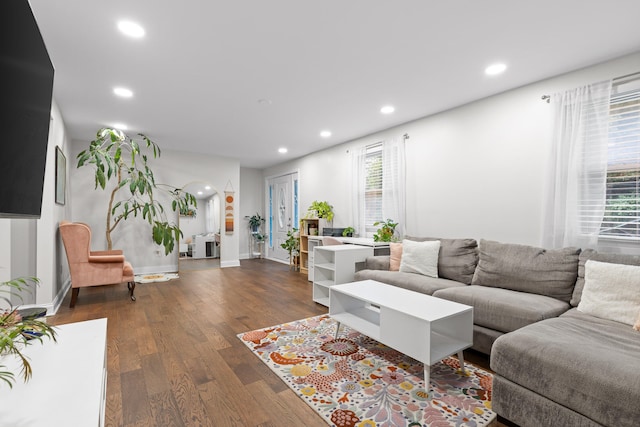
x: 304, y: 243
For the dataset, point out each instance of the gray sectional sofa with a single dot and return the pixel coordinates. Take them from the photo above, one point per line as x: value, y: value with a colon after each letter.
x: 554, y: 365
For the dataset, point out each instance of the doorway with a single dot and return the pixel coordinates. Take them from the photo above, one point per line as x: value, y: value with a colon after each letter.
x: 199, y: 246
x: 282, y: 208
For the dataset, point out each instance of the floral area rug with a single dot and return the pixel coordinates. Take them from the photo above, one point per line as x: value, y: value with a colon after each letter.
x: 355, y: 381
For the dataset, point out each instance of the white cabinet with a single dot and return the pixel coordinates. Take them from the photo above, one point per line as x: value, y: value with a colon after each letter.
x: 333, y: 265
x: 68, y: 386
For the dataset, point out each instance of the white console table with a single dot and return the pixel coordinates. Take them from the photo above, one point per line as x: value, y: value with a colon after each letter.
x: 68, y: 386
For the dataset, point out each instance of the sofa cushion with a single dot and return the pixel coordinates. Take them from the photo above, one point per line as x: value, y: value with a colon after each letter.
x: 611, y: 291
x: 550, y: 272
x: 584, y: 363
x: 412, y: 281
x: 395, y: 256
x: 420, y: 257
x: 378, y: 262
x: 588, y: 254
x: 458, y: 258
x: 502, y: 309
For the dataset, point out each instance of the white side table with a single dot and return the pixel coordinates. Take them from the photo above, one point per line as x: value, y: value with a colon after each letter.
x: 69, y: 382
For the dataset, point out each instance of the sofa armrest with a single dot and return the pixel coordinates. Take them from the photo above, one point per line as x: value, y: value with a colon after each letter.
x: 377, y: 262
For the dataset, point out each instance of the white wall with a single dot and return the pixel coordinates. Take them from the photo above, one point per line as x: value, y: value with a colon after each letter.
x: 32, y: 247
x: 475, y: 171
x: 134, y: 236
x: 252, y: 202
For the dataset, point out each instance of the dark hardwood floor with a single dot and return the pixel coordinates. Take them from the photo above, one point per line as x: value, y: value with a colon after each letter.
x: 173, y: 356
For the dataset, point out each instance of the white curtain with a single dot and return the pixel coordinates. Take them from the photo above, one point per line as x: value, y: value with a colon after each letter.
x: 358, y: 184
x: 209, y: 216
x: 393, y: 185
x: 393, y: 182
x: 578, y: 172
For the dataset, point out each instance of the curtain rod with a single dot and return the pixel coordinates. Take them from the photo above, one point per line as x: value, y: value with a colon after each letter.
x: 631, y: 76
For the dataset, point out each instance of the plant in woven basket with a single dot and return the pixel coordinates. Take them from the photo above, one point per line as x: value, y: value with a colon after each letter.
x: 17, y: 331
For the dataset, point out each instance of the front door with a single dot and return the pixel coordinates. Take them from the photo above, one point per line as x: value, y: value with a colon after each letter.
x: 282, y: 213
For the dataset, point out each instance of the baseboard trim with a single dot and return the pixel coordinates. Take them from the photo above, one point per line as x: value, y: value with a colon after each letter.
x: 232, y: 263
x: 169, y: 268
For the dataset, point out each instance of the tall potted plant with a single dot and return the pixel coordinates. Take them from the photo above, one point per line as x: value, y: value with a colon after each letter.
x: 292, y: 245
x: 114, y: 155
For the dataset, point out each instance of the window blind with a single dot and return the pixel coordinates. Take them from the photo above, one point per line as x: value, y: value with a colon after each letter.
x: 373, y: 186
x: 622, y: 211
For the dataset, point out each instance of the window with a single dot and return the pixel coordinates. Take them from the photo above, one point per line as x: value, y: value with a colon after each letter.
x: 373, y: 187
x: 622, y: 208
x: 378, y: 192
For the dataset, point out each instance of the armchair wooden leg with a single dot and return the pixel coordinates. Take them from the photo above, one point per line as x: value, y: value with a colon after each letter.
x: 132, y: 288
x: 74, y: 297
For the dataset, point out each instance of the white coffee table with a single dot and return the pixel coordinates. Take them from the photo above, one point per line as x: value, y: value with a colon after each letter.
x: 423, y: 327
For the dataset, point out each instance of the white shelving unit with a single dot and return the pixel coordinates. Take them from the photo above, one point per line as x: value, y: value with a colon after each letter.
x: 333, y: 265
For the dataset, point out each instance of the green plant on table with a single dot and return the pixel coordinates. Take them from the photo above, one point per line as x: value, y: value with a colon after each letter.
x: 348, y: 231
x: 17, y: 332
x: 322, y: 209
x: 386, y: 232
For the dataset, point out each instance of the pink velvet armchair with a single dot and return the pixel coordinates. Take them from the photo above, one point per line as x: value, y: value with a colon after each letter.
x: 93, y: 268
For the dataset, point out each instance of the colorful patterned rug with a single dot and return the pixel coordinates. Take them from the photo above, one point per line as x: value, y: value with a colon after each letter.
x: 356, y: 381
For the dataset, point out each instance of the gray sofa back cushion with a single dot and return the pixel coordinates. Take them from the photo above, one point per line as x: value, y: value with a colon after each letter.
x: 457, y: 259
x: 550, y: 272
x: 588, y: 254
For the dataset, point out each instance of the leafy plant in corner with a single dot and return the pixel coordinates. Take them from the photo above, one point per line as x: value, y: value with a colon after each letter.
x: 386, y: 231
x: 115, y: 155
x: 323, y: 209
x: 16, y: 331
x: 292, y: 244
x: 348, y: 232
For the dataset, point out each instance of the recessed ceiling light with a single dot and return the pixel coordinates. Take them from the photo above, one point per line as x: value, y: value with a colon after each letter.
x: 325, y: 133
x: 495, y: 69
x: 131, y: 29
x: 120, y: 126
x: 200, y: 193
x: 387, y: 109
x: 207, y: 187
x: 282, y: 150
x: 123, y: 92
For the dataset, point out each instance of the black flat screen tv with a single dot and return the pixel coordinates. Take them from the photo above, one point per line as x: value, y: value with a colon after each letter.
x: 26, y: 86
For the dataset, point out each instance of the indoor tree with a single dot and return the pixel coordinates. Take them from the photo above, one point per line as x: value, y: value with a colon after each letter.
x: 114, y: 155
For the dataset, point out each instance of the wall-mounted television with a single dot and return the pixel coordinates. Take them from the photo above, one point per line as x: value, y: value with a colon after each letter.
x: 26, y: 86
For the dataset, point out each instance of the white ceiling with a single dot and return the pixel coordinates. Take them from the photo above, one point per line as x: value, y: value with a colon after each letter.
x: 203, y: 65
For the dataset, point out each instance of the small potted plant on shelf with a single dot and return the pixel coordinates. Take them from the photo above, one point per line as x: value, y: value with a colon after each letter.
x: 386, y: 232
x: 255, y: 222
x: 348, y: 232
x: 322, y: 210
x: 17, y: 330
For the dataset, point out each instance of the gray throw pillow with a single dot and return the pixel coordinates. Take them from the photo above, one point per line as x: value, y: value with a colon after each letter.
x: 550, y: 272
x: 457, y: 259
